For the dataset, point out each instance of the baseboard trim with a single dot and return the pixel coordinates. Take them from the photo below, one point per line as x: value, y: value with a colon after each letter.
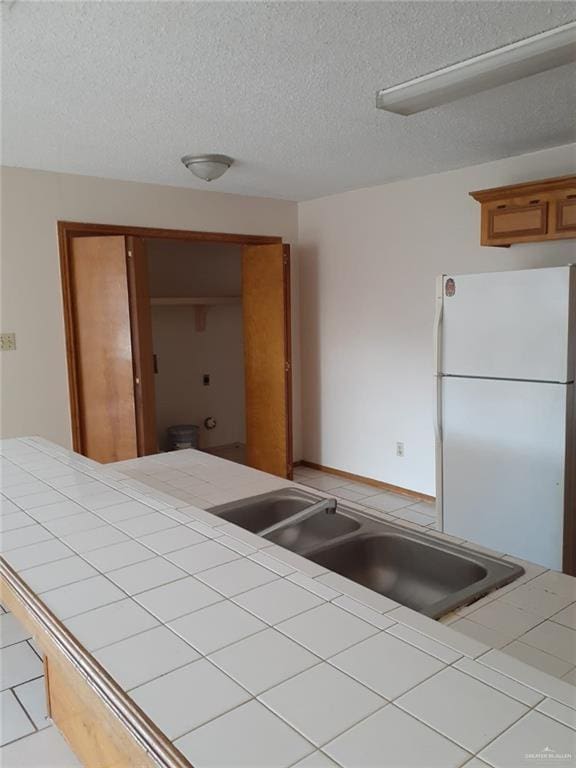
x: 366, y: 480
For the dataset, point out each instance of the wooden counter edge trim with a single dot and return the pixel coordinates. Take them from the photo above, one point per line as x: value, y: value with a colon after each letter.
x: 139, y: 726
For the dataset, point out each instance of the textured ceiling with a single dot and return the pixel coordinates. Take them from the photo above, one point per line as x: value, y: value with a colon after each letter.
x: 123, y: 89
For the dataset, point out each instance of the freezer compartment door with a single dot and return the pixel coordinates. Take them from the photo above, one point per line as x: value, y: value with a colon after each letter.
x: 503, y: 465
x: 509, y: 325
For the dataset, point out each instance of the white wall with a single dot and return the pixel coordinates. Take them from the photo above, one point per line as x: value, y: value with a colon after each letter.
x: 34, y: 377
x: 368, y: 260
x: 184, y: 354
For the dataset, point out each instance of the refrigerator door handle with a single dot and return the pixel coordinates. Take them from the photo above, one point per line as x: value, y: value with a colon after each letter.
x: 438, y: 319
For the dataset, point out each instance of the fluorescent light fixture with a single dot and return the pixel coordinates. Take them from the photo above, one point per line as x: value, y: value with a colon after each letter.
x: 538, y: 53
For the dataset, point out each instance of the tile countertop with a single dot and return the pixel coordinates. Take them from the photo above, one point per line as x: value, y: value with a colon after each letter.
x: 296, y: 666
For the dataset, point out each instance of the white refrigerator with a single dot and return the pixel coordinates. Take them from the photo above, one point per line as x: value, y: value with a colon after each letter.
x: 505, y: 410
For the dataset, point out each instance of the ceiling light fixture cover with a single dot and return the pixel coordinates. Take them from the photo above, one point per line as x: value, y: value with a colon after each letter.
x: 523, y: 58
x: 207, y: 167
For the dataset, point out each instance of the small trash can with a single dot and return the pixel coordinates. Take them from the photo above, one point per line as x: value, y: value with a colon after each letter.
x: 182, y: 436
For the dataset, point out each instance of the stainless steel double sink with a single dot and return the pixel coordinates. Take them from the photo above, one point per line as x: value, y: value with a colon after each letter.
x: 420, y: 571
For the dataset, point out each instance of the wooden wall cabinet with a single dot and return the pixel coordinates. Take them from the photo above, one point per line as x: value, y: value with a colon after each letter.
x: 531, y: 212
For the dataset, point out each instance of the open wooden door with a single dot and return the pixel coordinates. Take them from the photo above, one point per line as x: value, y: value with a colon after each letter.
x: 267, y: 357
x: 109, y: 347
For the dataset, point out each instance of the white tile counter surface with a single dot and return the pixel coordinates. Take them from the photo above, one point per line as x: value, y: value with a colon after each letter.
x: 245, y: 654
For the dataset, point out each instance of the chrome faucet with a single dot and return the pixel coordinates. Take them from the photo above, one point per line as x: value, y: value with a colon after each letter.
x: 324, y: 505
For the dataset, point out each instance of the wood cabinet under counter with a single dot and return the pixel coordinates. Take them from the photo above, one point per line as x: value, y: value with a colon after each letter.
x: 533, y: 211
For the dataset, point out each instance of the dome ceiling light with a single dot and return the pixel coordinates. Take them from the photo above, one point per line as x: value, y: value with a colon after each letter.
x: 207, y: 167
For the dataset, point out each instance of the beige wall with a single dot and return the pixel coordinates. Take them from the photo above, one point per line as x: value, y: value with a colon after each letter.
x: 184, y: 354
x: 368, y: 261
x: 34, y: 379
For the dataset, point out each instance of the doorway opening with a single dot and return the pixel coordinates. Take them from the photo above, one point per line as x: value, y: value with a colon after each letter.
x: 198, y: 344
x: 170, y: 327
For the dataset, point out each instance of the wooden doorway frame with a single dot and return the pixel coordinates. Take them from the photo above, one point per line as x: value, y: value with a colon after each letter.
x: 68, y: 230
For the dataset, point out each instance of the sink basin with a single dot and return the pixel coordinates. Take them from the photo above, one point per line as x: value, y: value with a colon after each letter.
x: 414, y: 568
x: 410, y: 572
x: 263, y: 511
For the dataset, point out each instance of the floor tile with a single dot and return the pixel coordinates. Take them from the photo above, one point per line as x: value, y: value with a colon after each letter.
x: 18, y: 664
x: 316, y: 760
x: 364, y: 488
x: 566, y: 617
x: 173, y: 701
x: 81, y: 596
x: 413, y: 516
x: 387, y: 665
x: 484, y: 634
x: 216, y: 626
x: 553, y: 638
x: 559, y: 712
x: 110, y: 624
x: 143, y: 657
x: 350, y: 494
x: 533, y: 736
x: 37, y: 554
x: 85, y: 541
x: 223, y: 742
x: 326, y: 630
x: 57, y: 574
x: 325, y: 482
x: 143, y: 524
x: 21, y: 537
x: 124, y: 511
x: 504, y: 684
x: 427, y: 644
x: 403, y: 741
x: 172, y: 539
x: 13, y: 720
x: 236, y: 577
x: 462, y: 708
x: 537, y: 658
x: 322, y: 702
x: 201, y: 557
x: 387, y: 502
x: 118, y: 555
x: 277, y: 601
x: 25, y: 489
x: 425, y: 507
x: 263, y: 660
x: 178, y: 598
x: 46, y: 748
x: 145, y: 575
x: 32, y: 696
x: 11, y: 631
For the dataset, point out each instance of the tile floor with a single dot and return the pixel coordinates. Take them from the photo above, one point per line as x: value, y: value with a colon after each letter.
x: 27, y: 736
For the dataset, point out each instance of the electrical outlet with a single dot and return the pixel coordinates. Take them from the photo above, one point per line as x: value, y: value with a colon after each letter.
x: 7, y: 342
x: 400, y: 449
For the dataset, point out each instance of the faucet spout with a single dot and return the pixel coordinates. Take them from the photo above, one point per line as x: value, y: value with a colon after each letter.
x: 324, y: 505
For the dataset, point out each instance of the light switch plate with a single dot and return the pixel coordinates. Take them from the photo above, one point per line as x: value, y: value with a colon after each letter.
x: 7, y: 342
